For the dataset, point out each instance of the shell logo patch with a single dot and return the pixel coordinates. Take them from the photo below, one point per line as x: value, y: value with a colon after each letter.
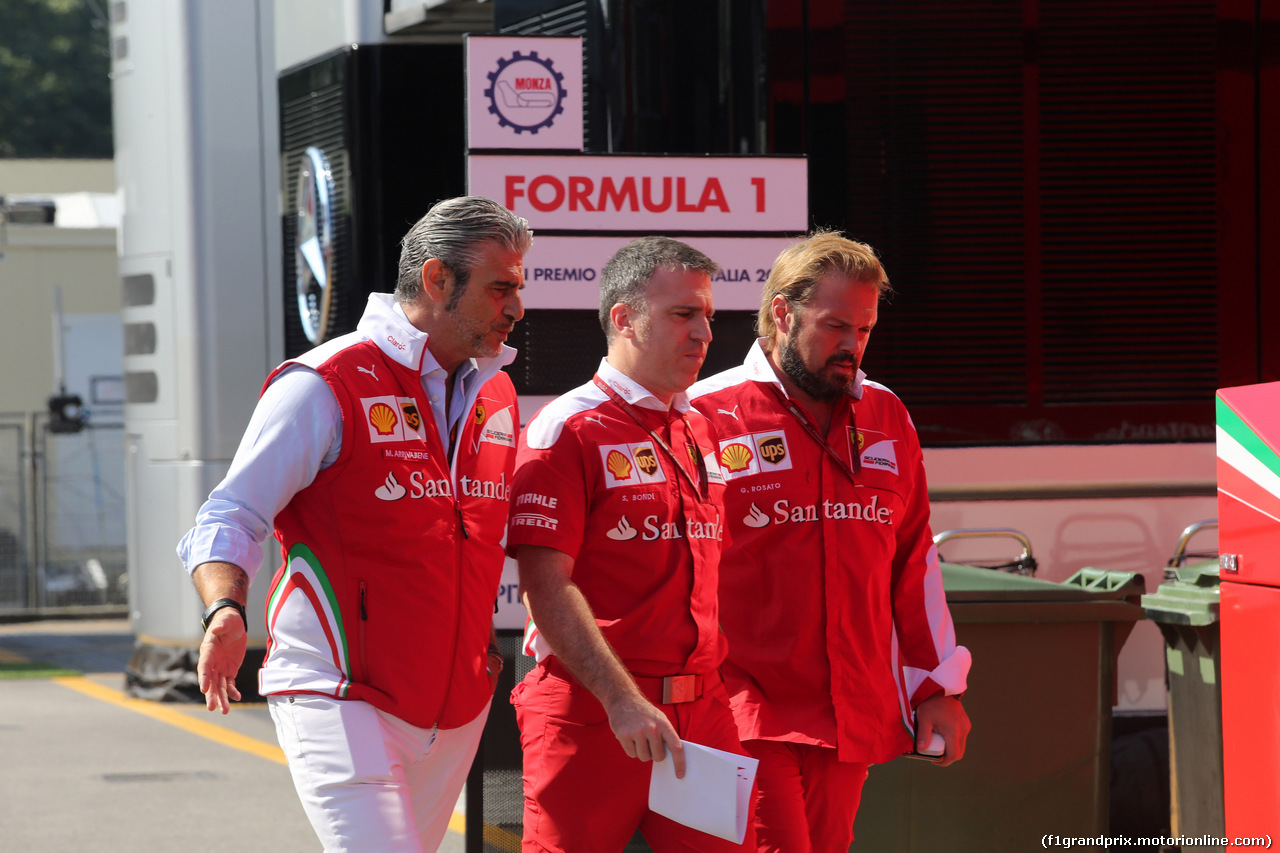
x: 392, y: 418
x: 618, y: 466
x: 631, y: 464
x: 736, y: 458
x: 383, y: 419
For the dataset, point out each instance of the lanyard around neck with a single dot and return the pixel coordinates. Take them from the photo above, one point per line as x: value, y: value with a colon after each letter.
x: 850, y: 471
x: 694, y: 451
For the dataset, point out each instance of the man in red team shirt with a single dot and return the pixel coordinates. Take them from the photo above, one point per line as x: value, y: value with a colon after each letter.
x: 617, y: 523
x: 832, y: 600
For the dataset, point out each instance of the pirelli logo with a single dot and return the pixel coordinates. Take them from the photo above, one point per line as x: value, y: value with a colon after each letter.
x: 755, y: 453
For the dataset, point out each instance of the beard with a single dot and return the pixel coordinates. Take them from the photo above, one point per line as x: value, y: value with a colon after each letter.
x: 821, y: 385
x: 476, y: 334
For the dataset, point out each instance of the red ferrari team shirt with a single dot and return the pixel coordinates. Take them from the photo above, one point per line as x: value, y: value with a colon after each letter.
x: 594, y: 480
x: 831, y: 590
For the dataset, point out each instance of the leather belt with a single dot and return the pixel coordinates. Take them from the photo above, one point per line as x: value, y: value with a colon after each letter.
x: 662, y: 689
x: 676, y: 689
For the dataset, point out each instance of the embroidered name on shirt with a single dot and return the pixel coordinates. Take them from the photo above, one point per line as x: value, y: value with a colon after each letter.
x: 396, y: 453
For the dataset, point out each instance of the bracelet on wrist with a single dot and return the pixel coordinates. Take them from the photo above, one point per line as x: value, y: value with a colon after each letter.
x: 220, y: 604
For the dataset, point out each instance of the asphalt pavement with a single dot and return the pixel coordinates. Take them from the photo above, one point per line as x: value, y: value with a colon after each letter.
x: 84, y: 768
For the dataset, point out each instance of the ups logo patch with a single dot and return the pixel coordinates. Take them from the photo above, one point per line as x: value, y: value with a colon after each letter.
x: 647, y: 460
x: 772, y: 449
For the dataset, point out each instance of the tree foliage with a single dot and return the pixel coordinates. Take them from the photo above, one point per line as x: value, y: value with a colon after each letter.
x: 55, y: 92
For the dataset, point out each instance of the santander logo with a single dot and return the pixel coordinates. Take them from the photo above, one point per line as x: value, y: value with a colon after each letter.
x: 390, y: 490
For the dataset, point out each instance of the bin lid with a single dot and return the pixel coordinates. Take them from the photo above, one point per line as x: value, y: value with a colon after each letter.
x: 1190, y: 598
x: 1091, y: 595
x: 972, y: 584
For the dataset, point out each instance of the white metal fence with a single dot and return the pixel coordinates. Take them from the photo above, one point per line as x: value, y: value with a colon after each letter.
x: 62, y: 517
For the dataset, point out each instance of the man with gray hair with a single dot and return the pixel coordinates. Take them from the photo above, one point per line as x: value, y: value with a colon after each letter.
x: 382, y: 459
x: 616, y: 523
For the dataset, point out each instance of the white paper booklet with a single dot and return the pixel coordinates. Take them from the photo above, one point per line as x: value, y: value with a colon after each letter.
x: 714, y: 796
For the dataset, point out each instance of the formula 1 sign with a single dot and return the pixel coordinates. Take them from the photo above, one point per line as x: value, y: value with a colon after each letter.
x: 658, y: 194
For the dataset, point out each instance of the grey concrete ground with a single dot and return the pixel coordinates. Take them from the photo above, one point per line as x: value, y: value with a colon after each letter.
x: 82, y: 769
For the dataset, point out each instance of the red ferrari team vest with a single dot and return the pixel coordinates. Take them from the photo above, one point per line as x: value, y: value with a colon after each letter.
x: 391, y: 559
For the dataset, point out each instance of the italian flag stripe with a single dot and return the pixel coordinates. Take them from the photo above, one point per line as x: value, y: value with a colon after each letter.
x: 1231, y: 424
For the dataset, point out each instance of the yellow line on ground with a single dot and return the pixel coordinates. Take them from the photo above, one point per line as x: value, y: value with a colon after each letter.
x: 209, y: 731
x: 177, y: 719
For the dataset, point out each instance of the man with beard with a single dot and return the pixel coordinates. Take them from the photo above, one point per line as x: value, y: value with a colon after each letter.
x: 840, y: 641
x: 617, y: 523
x: 380, y: 664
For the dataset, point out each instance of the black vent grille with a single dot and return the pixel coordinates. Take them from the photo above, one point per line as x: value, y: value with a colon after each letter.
x: 1128, y: 194
x: 942, y: 156
x: 1041, y: 179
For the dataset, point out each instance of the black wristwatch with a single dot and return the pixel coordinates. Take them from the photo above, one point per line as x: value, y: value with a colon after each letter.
x: 218, y: 605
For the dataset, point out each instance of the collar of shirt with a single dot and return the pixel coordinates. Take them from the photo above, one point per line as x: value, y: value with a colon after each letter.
x: 385, y: 324
x: 636, y: 394
x: 760, y: 369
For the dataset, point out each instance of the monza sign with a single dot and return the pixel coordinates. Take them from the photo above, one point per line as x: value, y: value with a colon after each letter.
x: 613, y: 192
x: 524, y: 92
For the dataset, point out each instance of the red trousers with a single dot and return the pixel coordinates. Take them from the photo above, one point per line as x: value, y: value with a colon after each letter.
x: 582, y: 793
x: 806, y: 800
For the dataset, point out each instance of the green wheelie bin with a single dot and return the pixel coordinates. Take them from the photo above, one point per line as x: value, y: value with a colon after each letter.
x: 1040, y: 697
x: 1185, y: 607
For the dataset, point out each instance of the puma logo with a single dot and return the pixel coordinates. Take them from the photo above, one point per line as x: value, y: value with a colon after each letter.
x: 368, y: 370
x: 733, y: 414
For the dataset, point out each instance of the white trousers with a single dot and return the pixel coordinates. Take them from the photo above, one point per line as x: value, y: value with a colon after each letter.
x: 368, y: 780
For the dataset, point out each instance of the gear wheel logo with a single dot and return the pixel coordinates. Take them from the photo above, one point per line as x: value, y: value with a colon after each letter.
x: 526, y: 93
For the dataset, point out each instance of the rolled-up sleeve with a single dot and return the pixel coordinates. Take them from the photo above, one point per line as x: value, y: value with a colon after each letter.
x: 294, y: 433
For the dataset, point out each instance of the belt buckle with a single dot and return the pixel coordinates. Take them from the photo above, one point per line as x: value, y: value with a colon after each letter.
x: 679, y: 688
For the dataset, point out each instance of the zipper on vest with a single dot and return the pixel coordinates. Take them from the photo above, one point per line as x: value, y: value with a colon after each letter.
x: 364, y: 619
x: 457, y: 615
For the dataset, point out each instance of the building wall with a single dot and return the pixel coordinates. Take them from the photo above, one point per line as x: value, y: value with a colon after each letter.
x: 36, y: 260
x: 57, y: 176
